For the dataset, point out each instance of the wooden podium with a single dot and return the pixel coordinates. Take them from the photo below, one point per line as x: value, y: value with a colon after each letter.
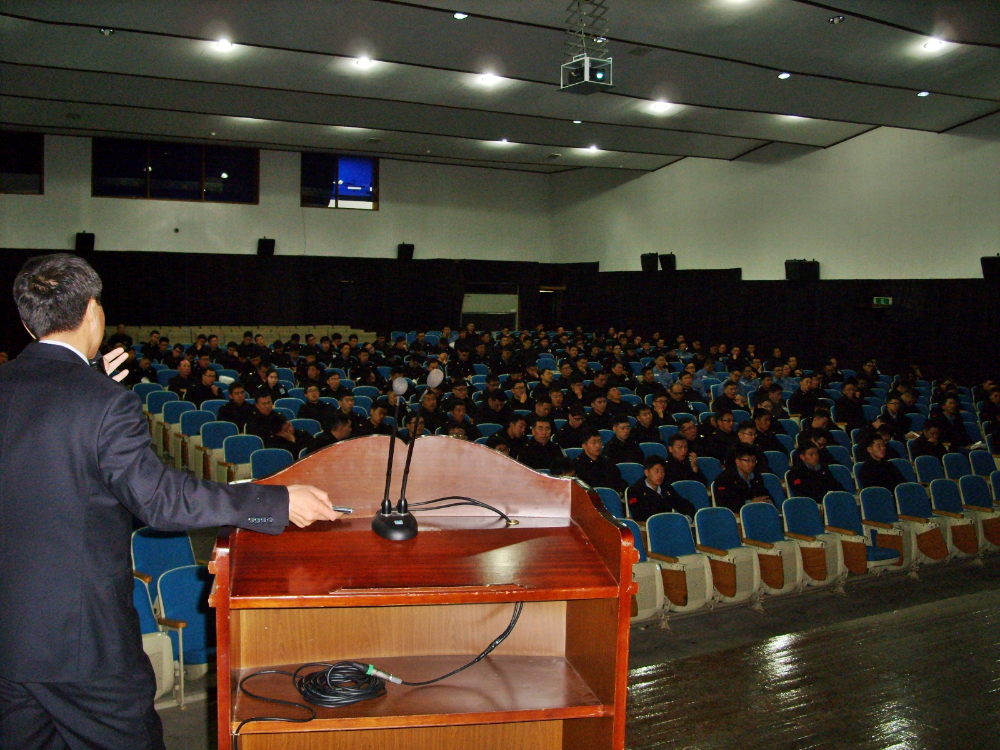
x: 425, y: 606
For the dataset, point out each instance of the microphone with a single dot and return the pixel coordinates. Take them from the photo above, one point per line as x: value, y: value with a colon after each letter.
x: 399, y: 524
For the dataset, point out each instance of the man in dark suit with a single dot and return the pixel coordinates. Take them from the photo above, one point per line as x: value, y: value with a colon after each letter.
x: 72, y: 669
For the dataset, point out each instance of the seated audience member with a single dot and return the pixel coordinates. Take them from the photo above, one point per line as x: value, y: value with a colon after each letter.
x: 653, y: 494
x: 803, y: 401
x: 648, y: 385
x: 908, y: 399
x: 730, y: 399
x: 809, y: 477
x: 767, y: 436
x: 719, y: 436
x: 459, y: 394
x: 576, y: 395
x: 953, y: 431
x: 774, y: 402
x: 204, y: 362
x: 457, y: 419
x: 746, y: 435
x: 599, y: 418
x: 333, y: 387
x: 559, y: 409
x: 682, y: 464
x: 120, y: 338
x: 151, y: 349
x: 511, y: 437
x: 687, y: 383
x: 519, y: 398
x: 431, y: 412
x: 617, y: 407
x: 204, y: 390
x: 742, y: 484
x: 264, y: 421
x: 140, y: 372
x: 338, y: 431
x: 989, y: 415
x: 271, y: 387
x: 563, y: 467
x: 644, y: 431
x: 622, y: 448
x: 237, y: 411
x: 256, y: 376
x: 572, y: 434
x: 412, y: 428
x: 619, y: 377
x: 313, y: 408
x: 292, y: 440
x: 545, y: 379
x: 543, y: 408
x: 173, y: 358
x: 278, y: 356
x: 183, y: 381
x: 893, y: 417
x: 199, y: 347
x: 929, y: 443
x: 230, y: 359
x: 593, y: 468
x: 347, y: 409
x: 667, y: 406
x: 877, y: 470
x: 541, y: 450
x: 375, y: 424
x: 850, y: 408
x: 493, y: 410
x: 820, y: 438
x: 390, y: 401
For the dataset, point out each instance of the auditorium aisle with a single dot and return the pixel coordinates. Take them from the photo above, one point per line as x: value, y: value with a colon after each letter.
x: 896, y: 664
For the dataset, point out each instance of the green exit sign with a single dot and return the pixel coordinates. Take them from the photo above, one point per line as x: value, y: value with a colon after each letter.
x: 882, y: 302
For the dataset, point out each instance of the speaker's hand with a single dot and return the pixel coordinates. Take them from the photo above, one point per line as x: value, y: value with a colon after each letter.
x: 112, y: 361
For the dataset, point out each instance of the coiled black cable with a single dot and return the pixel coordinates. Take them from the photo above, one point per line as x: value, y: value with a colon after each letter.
x: 414, y: 507
x: 348, y: 682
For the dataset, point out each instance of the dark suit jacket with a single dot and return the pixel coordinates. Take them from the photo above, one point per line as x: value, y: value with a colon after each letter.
x: 75, y: 463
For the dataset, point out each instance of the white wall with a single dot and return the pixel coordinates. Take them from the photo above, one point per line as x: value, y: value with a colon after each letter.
x: 447, y: 212
x: 887, y: 204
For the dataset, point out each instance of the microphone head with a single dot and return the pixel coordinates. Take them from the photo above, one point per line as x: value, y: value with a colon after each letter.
x: 435, y: 378
x: 400, y: 386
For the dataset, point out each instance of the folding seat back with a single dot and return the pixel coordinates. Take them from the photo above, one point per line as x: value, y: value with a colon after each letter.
x: 488, y: 428
x: 995, y: 484
x: 364, y: 402
x: 928, y: 469
x: 787, y: 442
x: 631, y: 472
x: 213, y: 405
x: 155, y: 402
x: 144, y: 389
x: 899, y: 448
x: 982, y: 463
x: 978, y: 504
x: 667, y: 431
x: 611, y: 501
x: 912, y: 500
x: 961, y: 530
x: 778, y: 558
x: 774, y: 489
x: 186, y: 439
x: 905, y: 468
x: 171, y: 419
x: 291, y: 404
x: 843, y: 476
x: 183, y: 593
x: 226, y: 373
x: 571, y: 453
x: 844, y: 520
x: 653, y: 449
x: 841, y: 510
x: 155, y: 552
x: 163, y: 377
x: 711, y: 467
x: 791, y: 427
x: 922, y: 538
x: 735, y: 568
x: 802, y: 516
x: 267, y: 461
x: 308, y: 425
x: 956, y: 466
x: 778, y: 461
x: 648, y: 601
x: 685, y: 572
x: 877, y: 505
x: 841, y: 455
x: 236, y: 452
x: 155, y: 643
x: 694, y: 492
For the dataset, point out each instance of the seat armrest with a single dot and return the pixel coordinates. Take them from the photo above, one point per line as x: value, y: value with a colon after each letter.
x: 838, y: 530
x: 664, y: 558
x: 202, y: 448
x: 914, y: 519
x: 755, y: 543
x: 800, y: 537
x: 168, y: 623
x: 947, y: 514
x: 712, y: 550
x: 979, y: 509
x: 147, y: 579
x: 880, y: 525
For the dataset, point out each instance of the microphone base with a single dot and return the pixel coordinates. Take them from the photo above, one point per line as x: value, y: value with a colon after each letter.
x: 396, y: 527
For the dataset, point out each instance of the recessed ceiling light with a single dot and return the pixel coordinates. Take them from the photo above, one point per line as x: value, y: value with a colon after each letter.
x: 594, y: 147
x: 461, y: 16
x: 489, y: 79
x: 783, y: 76
x: 660, y: 106
x: 503, y: 140
x: 363, y: 62
x: 924, y: 93
x: 223, y: 45
x: 224, y: 175
x: 934, y: 45
x: 577, y: 122
x: 213, y: 132
x: 837, y: 19
x: 107, y: 32
x: 600, y: 40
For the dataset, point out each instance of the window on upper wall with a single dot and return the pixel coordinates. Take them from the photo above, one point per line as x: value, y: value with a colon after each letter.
x: 334, y: 181
x: 124, y: 168
x: 22, y: 162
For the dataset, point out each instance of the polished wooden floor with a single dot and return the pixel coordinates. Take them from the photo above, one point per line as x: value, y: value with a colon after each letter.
x: 923, y: 677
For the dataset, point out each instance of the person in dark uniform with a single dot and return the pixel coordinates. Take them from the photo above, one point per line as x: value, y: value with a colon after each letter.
x: 803, y: 401
x: 599, y: 417
x: 653, y: 494
x: 375, y: 424
x: 271, y: 387
x: 338, y: 431
x: 953, y: 430
x: 809, y: 477
x: 264, y: 421
x: 183, y: 381
x: 682, y: 463
x: 850, y: 409
x: 736, y: 487
x: 877, y: 471
x: 643, y: 431
x: 457, y: 418
x: 313, y: 408
x: 929, y: 443
x: 72, y: 669
x: 572, y: 434
x: 237, y: 410
x: 511, y: 437
x: 767, y: 436
x: 622, y: 448
x: 746, y: 436
x: 892, y: 416
x: 541, y: 450
x: 120, y: 339
x: 347, y: 409
x: 593, y: 468
x: 493, y: 410
x: 205, y: 390
x: 334, y: 388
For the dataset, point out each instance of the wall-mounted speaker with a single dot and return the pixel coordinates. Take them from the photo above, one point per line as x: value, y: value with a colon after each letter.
x: 648, y: 261
x: 84, y: 243
x: 405, y: 251
x: 991, y: 267
x: 668, y: 262
x: 265, y: 247
x: 802, y: 270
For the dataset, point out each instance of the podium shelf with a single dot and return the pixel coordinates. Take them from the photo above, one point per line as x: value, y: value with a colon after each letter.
x: 452, y: 560
x: 499, y: 689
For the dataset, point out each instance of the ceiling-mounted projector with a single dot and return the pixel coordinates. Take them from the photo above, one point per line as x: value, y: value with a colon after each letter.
x: 585, y: 75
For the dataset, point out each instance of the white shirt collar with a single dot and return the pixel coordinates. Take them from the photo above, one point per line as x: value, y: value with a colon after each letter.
x: 63, y: 344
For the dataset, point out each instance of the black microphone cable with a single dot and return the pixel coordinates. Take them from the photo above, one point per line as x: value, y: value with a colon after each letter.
x: 348, y: 682
x: 431, y: 505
